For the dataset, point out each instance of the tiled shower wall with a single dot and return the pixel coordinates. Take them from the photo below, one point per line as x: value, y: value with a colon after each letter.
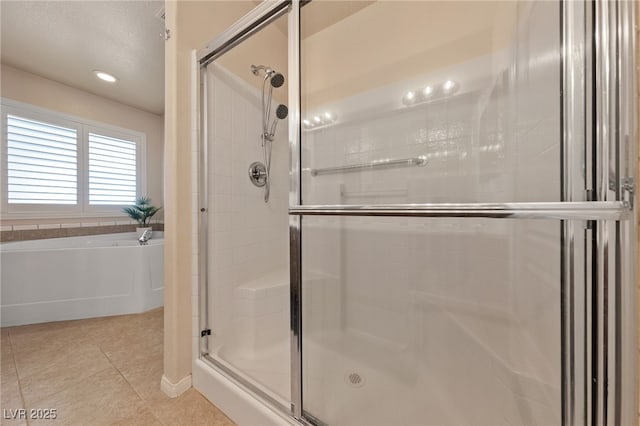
x: 248, y: 238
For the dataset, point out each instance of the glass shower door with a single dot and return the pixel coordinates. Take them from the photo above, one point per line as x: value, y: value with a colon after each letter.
x: 244, y: 235
x: 431, y: 225
x: 431, y: 321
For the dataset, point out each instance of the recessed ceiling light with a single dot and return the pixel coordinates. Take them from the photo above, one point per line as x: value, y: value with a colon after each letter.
x: 449, y: 86
x: 104, y: 76
x: 409, y: 98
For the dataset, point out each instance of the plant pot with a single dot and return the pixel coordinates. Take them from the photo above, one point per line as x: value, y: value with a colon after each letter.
x: 140, y: 231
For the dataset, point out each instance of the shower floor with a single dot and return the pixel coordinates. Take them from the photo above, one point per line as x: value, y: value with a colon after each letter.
x: 331, y: 397
x: 269, y: 369
x: 354, y: 380
x: 351, y: 378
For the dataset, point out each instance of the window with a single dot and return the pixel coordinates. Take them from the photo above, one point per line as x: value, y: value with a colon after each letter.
x: 112, y: 170
x: 58, y: 165
x: 42, y: 162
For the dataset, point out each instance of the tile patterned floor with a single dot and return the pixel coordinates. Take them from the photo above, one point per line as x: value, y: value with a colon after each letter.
x: 98, y: 371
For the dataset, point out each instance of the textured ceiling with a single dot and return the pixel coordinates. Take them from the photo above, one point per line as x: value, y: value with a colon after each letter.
x: 66, y: 40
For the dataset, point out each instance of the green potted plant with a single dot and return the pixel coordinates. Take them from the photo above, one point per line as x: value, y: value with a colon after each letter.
x: 142, y: 212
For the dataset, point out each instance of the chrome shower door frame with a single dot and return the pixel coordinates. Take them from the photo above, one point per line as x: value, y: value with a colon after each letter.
x: 295, y: 221
x: 616, y: 156
x: 257, y: 19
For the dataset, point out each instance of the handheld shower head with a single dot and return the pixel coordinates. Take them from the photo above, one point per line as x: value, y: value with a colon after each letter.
x: 282, y: 111
x: 277, y: 79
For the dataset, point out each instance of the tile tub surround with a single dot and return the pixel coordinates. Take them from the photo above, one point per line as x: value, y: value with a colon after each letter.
x: 39, y: 232
x: 98, y: 371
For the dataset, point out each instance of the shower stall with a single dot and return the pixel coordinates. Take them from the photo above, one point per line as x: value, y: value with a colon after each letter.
x: 438, y: 225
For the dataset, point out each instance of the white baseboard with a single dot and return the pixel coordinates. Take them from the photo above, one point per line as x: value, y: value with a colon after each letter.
x: 173, y: 390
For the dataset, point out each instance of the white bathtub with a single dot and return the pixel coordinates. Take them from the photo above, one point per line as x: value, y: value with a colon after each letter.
x: 79, y: 277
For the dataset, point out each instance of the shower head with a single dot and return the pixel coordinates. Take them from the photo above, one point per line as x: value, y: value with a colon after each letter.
x: 277, y: 79
x: 282, y: 111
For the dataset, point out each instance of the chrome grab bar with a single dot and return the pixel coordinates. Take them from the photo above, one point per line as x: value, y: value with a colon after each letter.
x: 577, y: 210
x: 378, y: 164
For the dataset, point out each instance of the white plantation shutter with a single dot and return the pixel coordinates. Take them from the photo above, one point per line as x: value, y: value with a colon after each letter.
x: 42, y: 162
x: 62, y: 165
x: 112, y: 170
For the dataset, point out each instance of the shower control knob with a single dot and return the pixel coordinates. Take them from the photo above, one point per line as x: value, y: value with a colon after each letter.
x: 258, y: 174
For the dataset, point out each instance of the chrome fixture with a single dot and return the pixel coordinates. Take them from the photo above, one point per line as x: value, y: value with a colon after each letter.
x: 145, y: 237
x: 277, y: 79
x: 259, y: 172
x: 379, y: 164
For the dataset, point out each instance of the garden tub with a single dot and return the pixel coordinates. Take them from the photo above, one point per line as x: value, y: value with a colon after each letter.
x: 79, y: 277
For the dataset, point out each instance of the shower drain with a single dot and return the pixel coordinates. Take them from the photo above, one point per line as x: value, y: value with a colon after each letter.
x: 354, y: 379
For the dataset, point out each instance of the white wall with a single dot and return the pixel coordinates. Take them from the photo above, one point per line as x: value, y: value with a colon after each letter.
x: 32, y: 89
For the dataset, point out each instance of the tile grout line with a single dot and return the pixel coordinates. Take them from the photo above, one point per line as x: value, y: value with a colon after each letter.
x: 70, y: 387
x: 15, y: 367
x: 145, y: 405
x: 144, y: 401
